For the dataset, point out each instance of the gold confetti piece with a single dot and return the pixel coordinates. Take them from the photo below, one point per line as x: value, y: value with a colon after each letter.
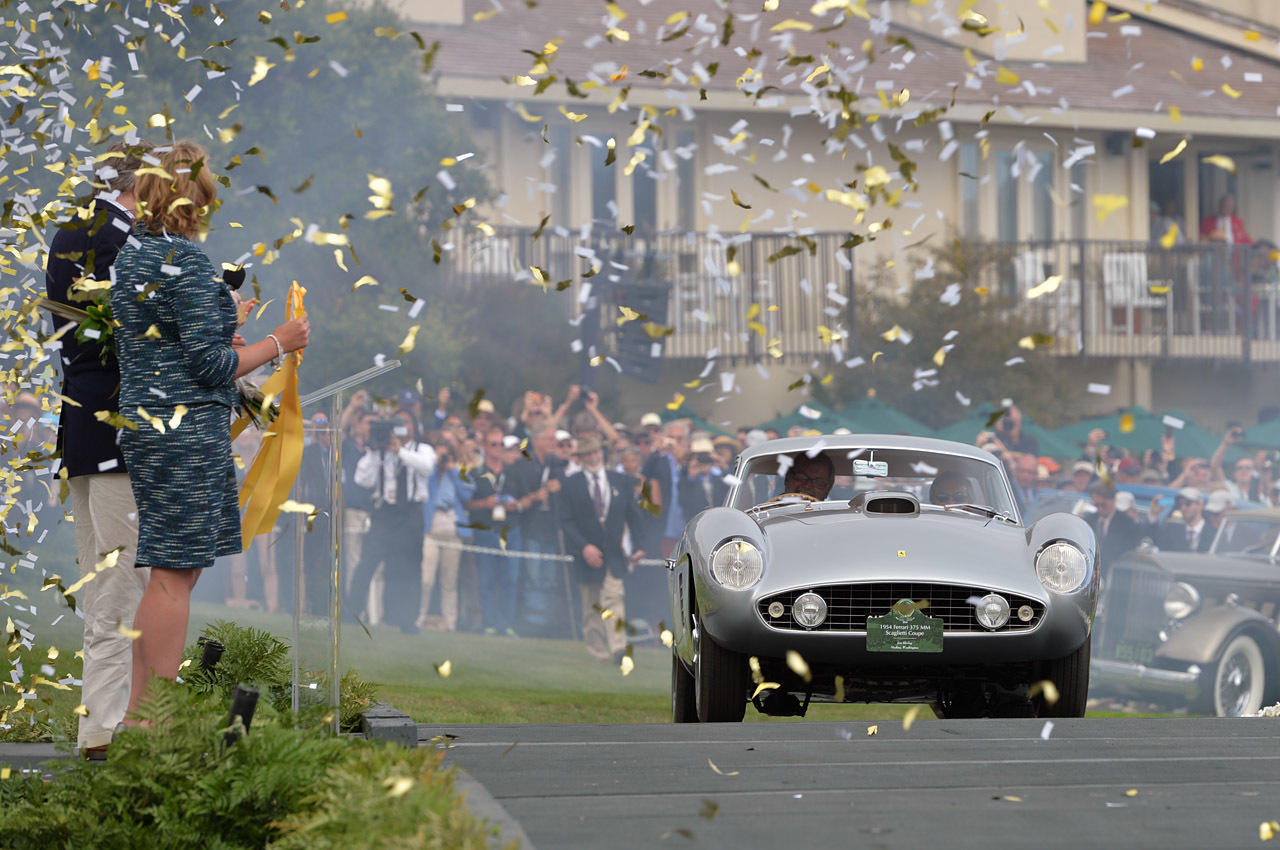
x: 1179, y: 148
x: 407, y: 345
x: 891, y: 334
x: 131, y: 634
x: 1175, y: 114
x: 575, y: 117
x: 1170, y: 237
x: 764, y: 686
x: 179, y: 411
x: 1252, y: 35
x: 628, y: 315
x: 365, y: 280
x: 873, y: 730
x: 53, y: 653
x: 1224, y: 162
x: 1050, y: 284
x: 791, y: 24
x: 1105, y: 204
x: 289, y: 506
x: 1127, y: 423
x: 526, y: 115
x: 1045, y: 687
x: 81, y: 710
x: 397, y: 786
x: 152, y: 332
x: 627, y: 665
x: 335, y: 17
x: 1010, y: 798
x: 1097, y: 12
x: 1132, y: 792
x: 5, y: 773
x: 260, y: 68
x: 1230, y: 92
x: 676, y: 17
x: 1006, y: 77
x: 675, y: 402
x: 722, y: 772
x: 444, y: 668
x: 797, y: 664
x: 910, y: 717
x: 666, y: 637
x: 1197, y: 64
x: 1267, y: 830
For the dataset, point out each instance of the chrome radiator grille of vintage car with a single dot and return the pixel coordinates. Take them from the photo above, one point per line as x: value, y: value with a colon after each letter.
x: 1131, y: 611
x: 849, y: 605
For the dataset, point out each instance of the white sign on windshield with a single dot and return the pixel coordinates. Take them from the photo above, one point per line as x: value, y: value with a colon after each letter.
x: 871, y: 468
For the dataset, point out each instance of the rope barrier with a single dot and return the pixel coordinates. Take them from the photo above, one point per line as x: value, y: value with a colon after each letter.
x: 537, y: 556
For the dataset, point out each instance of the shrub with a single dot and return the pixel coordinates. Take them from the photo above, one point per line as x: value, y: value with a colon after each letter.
x: 179, y: 785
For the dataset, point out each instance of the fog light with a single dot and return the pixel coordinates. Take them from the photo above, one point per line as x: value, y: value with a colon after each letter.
x: 1025, y: 613
x: 993, y: 611
x: 776, y: 609
x: 809, y: 610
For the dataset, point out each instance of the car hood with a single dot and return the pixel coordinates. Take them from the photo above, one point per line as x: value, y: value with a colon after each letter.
x: 826, y: 546
x: 1192, y: 566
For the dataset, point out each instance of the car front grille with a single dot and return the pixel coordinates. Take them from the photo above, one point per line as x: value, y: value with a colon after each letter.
x: 849, y: 605
x: 1131, y: 612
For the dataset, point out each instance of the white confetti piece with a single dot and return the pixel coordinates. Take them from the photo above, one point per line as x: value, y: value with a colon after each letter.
x: 1173, y: 422
x: 1046, y: 730
x: 1100, y: 389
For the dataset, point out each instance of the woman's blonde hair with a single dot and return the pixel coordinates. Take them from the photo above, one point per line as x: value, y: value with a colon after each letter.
x: 179, y: 193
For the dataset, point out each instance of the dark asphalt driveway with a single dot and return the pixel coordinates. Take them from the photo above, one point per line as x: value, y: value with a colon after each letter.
x: 1096, y: 783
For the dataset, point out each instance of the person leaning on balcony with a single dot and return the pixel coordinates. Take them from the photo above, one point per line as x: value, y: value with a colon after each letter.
x: 1226, y: 226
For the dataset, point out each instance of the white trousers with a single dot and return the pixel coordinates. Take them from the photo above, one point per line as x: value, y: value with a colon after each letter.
x: 442, y: 561
x: 603, y: 635
x: 106, y: 518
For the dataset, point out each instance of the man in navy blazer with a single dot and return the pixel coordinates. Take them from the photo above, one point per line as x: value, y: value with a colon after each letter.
x: 597, y: 507
x: 106, y: 518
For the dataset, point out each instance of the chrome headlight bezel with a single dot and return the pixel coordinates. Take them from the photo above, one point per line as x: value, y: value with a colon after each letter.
x: 1181, y: 601
x: 1062, y: 567
x: 992, y: 611
x: 737, y: 564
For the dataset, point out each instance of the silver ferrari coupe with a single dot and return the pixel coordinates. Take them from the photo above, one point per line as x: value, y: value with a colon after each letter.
x: 871, y: 568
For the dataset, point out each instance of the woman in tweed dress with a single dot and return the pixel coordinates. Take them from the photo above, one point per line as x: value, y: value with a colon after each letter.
x: 179, y: 357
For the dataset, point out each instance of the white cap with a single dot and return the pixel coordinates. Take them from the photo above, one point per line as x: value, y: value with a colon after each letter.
x: 1219, y: 501
x: 563, y: 436
x: 650, y: 419
x: 511, y: 441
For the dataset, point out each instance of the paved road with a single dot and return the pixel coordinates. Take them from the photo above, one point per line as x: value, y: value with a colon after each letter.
x: 1199, y: 783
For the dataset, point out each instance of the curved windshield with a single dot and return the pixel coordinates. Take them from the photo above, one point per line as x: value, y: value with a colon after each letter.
x: 935, y: 478
x: 1247, y: 536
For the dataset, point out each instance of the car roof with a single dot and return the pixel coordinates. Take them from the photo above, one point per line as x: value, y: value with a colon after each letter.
x: 849, y: 442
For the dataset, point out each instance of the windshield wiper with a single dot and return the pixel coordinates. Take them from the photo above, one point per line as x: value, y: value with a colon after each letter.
x: 986, y: 510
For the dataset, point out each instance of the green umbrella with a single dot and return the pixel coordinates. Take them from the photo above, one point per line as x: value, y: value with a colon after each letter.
x: 1264, y: 435
x: 1146, y: 432
x: 1050, y: 443
x: 811, y: 415
x: 870, y: 415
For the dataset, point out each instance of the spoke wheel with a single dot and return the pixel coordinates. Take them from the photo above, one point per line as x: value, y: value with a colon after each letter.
x: 1239, y: 678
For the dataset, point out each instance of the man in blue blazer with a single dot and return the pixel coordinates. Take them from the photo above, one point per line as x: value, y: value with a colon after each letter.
x: 598, y: 506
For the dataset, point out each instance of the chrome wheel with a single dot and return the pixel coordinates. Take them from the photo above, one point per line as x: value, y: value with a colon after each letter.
x: 1240, y: 680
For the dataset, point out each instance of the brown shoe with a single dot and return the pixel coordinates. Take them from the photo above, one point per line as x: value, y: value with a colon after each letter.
x: 94, y: 753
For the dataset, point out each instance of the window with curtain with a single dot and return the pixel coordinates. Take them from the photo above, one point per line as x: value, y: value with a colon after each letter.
x: 970, y: 165
x: 1042, y: 206
x: 1007, y: 196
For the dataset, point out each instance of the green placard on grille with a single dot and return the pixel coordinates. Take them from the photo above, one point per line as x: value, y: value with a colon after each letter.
x: 906, y: 628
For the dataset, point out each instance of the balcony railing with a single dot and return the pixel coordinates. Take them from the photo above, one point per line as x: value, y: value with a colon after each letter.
x: 746, y: 296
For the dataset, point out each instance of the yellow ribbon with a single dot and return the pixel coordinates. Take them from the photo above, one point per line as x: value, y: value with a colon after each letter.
x: 275, y: 467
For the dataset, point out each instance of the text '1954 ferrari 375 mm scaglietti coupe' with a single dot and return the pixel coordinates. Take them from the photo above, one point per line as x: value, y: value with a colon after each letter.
x: 863, y: 568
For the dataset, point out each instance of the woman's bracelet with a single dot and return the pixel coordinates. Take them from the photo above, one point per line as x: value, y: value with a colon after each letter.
x: 275, y: 361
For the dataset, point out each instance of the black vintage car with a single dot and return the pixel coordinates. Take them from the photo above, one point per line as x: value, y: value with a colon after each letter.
x: 1197, y: 631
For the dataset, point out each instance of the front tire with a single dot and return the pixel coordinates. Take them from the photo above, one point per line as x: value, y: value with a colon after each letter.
x: 1235, y: 685
x: 1070, y: 675
x: 683, y: 705
x: 719, y: 682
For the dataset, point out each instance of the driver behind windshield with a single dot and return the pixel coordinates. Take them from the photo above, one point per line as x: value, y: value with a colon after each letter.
x: 950, y: 488
x: 810, y: 476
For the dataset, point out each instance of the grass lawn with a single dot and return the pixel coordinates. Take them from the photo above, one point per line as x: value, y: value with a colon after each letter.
x: 491, y: 679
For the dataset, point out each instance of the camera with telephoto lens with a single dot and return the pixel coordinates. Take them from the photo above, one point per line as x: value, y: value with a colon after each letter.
x: 380, y: 431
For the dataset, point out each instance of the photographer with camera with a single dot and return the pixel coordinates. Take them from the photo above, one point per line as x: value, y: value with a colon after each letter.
x: 490, y: 512
x: 1241, y: 484
x: 396, y: 466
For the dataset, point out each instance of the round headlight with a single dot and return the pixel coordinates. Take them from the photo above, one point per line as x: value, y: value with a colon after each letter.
x: 1062, y: 567
x: 737, y: 564
x: 992, y: 611
x: 1181, y: 601
x: 809, y: 610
